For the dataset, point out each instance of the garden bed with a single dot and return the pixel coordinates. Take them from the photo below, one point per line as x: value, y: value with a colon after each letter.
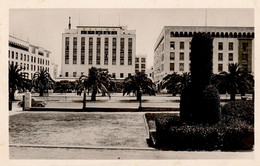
x: 234, y: 132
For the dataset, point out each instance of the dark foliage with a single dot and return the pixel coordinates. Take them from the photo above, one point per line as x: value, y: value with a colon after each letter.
x: 200, y: 106
x: 229, y: 134
x: 243, y: 110
x: 201, y: 60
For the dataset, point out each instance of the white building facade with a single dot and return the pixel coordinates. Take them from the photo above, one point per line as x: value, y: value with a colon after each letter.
x: 230, y: 45
x: 30, y: 57
x: 140, y: 63
x: 111, y: 48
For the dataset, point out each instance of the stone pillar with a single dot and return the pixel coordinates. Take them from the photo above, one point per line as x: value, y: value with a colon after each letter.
x: 27, y: 101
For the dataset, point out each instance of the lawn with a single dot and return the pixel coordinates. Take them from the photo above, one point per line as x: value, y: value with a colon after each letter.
x: 79, y: 129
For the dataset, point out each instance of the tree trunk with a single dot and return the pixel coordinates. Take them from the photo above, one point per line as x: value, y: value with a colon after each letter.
x: 138, y: 96
x: 93, y: 95
x: 232, y: 96
x: 84, y: 99
x: 41, y: 92
x: 11, y: 94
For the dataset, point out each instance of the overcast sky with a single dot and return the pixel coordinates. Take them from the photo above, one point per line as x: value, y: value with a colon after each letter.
x: 44, y: 27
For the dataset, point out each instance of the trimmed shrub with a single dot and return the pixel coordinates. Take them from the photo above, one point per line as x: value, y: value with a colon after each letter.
x: 201, y: 59
x: 229, y: 134
x: 200, y: 106
x: 240, y: 109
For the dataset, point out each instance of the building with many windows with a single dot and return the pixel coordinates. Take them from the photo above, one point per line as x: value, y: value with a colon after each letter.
x: 140, y: 63
x: 230, y: 45
x: 30, y: 57
x: 111, y: 48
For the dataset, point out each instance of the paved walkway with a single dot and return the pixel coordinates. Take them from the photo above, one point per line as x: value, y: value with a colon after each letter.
x: 99, y: 153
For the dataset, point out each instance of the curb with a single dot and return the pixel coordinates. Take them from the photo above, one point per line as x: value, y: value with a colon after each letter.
x: 81, y: 147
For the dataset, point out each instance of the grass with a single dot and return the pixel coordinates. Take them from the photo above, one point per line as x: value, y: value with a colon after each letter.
x: 83, y: 129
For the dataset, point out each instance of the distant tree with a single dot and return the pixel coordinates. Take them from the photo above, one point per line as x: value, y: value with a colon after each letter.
x: 171, y: 82
x: 97, y: 81
x: 42, y: 81
x: 236, y: 81
x: 16, y: 80
x: 138, y: 84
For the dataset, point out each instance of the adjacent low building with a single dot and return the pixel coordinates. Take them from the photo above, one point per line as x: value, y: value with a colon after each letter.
x: 140, y: 63
x: 111, y: 48
x: 30, y: 57
x: 230, y: 45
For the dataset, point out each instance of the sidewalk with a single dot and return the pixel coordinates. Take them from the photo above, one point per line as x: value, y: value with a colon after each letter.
x: 116, y: 154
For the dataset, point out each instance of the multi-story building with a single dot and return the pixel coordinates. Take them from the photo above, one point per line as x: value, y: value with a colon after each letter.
x: 140, y: 63
x: 30, y: 57
x: 111, y: 48
x: 230, y: 45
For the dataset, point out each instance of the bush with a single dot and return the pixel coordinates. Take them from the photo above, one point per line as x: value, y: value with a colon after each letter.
x: 200, y: 106
x: 240, y: 109
x: 228, y: 134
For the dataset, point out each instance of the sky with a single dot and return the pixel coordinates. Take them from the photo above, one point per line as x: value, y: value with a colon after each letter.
x: 44, y: 27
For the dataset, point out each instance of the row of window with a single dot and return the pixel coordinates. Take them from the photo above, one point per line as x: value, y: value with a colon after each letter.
x: 99, y: 32
x: 215, y: 34
x: 137, y: 59
x: 74, y: 74
x: 27, y: 66
x: 98, y: 51
x: 142, y: 66
x: 220, y: 45
x: 26, y: 58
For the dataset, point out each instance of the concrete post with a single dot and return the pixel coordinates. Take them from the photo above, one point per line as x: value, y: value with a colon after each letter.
x: 27, y: 101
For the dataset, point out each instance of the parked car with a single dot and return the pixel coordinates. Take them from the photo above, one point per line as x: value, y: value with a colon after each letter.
x: 34, y: 103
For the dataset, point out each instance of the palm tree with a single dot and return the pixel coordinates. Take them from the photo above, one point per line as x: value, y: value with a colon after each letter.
x: 16, y: 80
x: 97, y: 81
x: 138, y: 84
x: 170, y: 82
x: 236, y: 81
x: 185, y: 79
x: 42, y: 81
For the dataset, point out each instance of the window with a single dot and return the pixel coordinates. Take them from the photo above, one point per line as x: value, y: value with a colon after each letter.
x: 130, y: 43
x: 16, y: 63
x: 129, y: 74
x: 122, y: 49
x: 34, y: 60
x: 172, y: 34
x: 24, y: 58
x: 181, y: 56
x: 136, y: 59
x: 121, y: 75
x: 82, y: 59
x: 143, y: 66
x: 9, y: 54
x: 74, y: 50
x: 12, y: 55
x: 244, y: 56
x: 172, y: 56
x: 220, y: 56
x: 244, y: 46
x: 16, y: 56
x: 172, y: 45
x: 27, y: 66
x: 90, y: 53
x: 74, y: 74
x: 98, y: 51
x: 113, y: 75
x: 171, y: 66
x: 220, y: 67
x: 66, y: 73
x: 114, y: 51
x: 181, y: 45
x: 137, y: 66
x: 230, y: 56
x: 21, y: 56
x: 106, y: 51
x: 220, y: 46
x: 142, y: 59
x: 31, y: 58
x: 181, y: 67
x: 67, y: 50
x: 230, y: 46
x: 28, y: 58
